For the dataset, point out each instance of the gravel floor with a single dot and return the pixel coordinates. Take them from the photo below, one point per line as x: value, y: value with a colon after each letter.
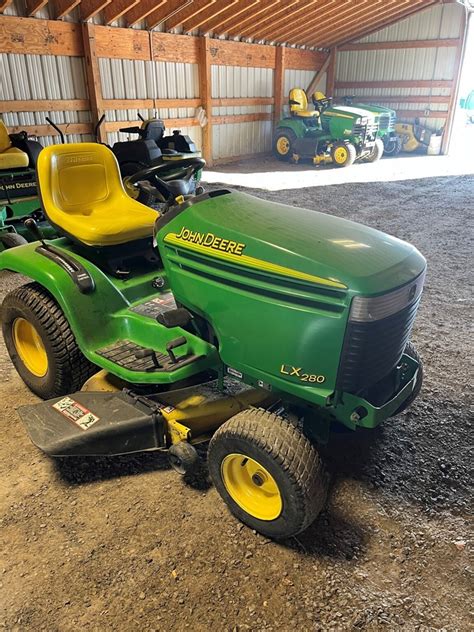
x: 124, y: 544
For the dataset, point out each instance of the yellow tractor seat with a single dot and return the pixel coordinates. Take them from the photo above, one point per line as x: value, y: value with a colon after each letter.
x: 299, y: 104
x: 83, y: 196
x: 10, y: 157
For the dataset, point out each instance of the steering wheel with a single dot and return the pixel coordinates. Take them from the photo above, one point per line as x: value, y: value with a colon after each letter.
x: 321, y: 104
x: 154, y: 179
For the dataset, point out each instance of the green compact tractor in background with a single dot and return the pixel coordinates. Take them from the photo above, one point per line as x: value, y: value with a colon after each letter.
x: 338, y: 135
x: 223, y: 317
x: 387, y: 119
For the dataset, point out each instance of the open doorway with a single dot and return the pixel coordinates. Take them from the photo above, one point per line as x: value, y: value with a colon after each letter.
x: 462, y: 140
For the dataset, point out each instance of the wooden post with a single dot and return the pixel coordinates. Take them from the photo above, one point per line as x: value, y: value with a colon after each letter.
x: 93, y: 77
x: 331, y: 76
x: 454, y: 89
x: 318, y: 76
x: 279, y: 82
x: 205, y: 93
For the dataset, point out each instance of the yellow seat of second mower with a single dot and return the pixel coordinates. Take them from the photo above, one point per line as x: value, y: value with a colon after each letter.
x: 83, y: 195
x: 10, y: 157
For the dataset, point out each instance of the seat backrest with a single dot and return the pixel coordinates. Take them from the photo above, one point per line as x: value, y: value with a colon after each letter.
x: 153, y: 130
x: 76, y: 178
x: 5, y: 142
x: 298, y: 100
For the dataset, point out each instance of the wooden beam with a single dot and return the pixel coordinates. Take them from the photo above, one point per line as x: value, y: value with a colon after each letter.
x: 407, y: 83
x: 33, y: 6
x: 205, y: 92
x: 47, y: 130
x: 241, y: 118
x: 237, y: 22
x: 284, y: 6
x: 148, y: 104
x: 44, y: 105
x: 241, y: 101
x: 120, y: 43
x: 64, y: 7
x: 331, y: 76
x: 40, y: 37
x: 458, y: 63
x: 228, y: 53
x: 161, y: 14
x: 394, y: 98
x: 216, y: 23
x: 430, y: 43
x: 117, y: 8
x: 401, y: 114
x: 4, y: 4
x: 195, y: 8
x: 273, y: 27
x: 90, y: 8
x: 114, y: 126
x: 299, y: 59
x: 93, y: 75
x: 279, y: 82
x: 319, y: 75
x: 142, y: 10
x: 204, y: 16
x: 170, y: 47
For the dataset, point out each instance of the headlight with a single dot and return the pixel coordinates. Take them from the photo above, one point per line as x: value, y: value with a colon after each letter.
x: 364, y: 309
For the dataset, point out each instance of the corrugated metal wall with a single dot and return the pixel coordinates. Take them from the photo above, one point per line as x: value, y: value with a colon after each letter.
x: 35, y: 77
x: 135, y: 79
x: 441, y: 21
x: 237, y: 139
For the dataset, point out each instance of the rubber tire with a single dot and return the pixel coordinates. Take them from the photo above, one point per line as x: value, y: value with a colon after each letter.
x: 352, y: 154
x: 288, y: 134
x: 288, y: 456
x: 183, y: 458
x: 376, y: 153
x: 411, y: 351
x: 393, y: 147
x: 68, y: 368
x: 12, y: 240
x: 128, y: 169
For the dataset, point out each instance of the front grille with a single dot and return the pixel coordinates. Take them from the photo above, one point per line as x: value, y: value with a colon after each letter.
x: 366, y: 132
x: 372, y: 349
x: 384, y: 121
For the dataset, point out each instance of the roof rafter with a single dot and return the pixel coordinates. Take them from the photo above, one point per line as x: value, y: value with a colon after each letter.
x: 272, y: 26
x: 33, y: 6
x: 63, y: 7
x: 90, y: 8
x: 305, y: 22
x: 215, y: 23
x: 196, y: 7
x: 211, y: 12
x: 283, y: 6
x: 234, y: 24
x: 117, y: 8
x: 4, y: 4
x: 141, y: 10
x: 162, y: 14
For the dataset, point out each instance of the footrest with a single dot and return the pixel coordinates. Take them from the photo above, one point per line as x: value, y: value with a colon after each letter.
x: 94, y: 424
x: 124, y: 353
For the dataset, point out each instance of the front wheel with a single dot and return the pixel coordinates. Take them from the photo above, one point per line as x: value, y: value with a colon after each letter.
x: 343, y: 154
x: 268, y: 473
x: 393, y: 146
x: 283, y: 142
x: 376, y: 153
x: 41, y: 344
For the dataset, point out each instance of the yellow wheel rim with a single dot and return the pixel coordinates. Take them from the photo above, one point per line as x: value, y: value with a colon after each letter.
x: 132, y: 191
x: 30, y: 347
x: 283, y: 145
x: 340, y: 155
x: 251, y: 486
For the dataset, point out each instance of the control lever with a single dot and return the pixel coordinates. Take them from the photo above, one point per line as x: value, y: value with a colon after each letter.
x: 148, y: 353
x: 173, y: 344
x: 35, y: 230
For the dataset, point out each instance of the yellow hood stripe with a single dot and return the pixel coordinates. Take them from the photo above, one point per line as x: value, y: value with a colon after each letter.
x: 252, y: 262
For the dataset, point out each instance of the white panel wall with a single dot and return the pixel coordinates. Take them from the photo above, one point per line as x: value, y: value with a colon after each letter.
x: 36, y: 77
x: 427, y: 64
x: 237, y: 139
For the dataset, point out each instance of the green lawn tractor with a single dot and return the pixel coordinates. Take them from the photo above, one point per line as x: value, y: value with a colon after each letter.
x: 18, y: 194
x: 337, y: 135
x: 387, y: 119
x: 223, y: 318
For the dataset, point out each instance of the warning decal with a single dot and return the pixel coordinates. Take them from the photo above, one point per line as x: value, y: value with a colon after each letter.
x: 75, y: 412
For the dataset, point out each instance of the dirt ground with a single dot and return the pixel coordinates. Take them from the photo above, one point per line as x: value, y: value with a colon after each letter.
x: 125, y: 544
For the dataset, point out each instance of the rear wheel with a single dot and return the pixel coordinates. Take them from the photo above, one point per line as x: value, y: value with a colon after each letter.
x: 268, y: 473
x: 376, y: 153
x: 283, y: 142
x: 41, y: 344
x: 343, y: 154
x: 11, y: 240
x: 411, y: 351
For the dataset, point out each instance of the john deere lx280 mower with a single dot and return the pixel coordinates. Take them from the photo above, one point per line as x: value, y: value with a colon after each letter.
x: 338, y: 135
x: 225, y: 317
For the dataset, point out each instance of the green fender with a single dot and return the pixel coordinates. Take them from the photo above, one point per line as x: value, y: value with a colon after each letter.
x: 297, y: 126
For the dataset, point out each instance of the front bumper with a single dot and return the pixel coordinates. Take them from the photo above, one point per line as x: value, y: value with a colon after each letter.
x: 354, y: 411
